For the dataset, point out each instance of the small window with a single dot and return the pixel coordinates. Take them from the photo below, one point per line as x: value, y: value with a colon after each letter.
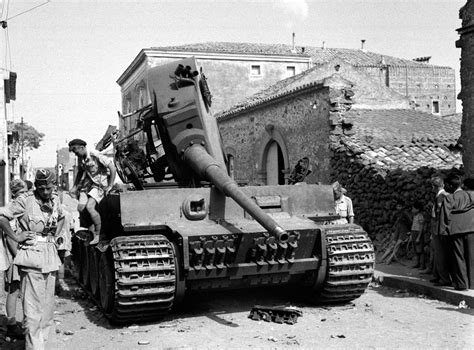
x: 255, y: 70
x: 290, y: 71
x: 435, y: 107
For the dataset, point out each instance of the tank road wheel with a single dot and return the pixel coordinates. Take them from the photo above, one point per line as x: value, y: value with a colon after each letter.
x: 106, y: 282
x: 350, y: 264
x: 84, y: 275
x: 94, y: 271
x: 147, y: 279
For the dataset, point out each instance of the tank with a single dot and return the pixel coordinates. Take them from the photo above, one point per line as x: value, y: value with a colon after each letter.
x: 183, y: 224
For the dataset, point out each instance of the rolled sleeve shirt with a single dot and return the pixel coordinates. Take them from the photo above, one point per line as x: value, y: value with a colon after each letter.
x: 95, y: 167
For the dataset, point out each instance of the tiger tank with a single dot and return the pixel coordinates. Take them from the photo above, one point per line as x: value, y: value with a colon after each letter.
x: 182, y: 224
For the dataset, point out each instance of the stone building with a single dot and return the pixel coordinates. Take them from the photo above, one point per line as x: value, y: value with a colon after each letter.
x: 353, y: 128
x: 466, y: 43
x: 238, y: 70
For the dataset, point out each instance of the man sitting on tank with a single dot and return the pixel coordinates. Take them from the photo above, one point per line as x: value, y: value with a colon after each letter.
x: 94, y: 179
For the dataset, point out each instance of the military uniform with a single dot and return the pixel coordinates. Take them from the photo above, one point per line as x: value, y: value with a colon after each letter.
x: 37, y: 262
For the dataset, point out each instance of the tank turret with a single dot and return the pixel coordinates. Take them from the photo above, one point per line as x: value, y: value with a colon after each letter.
x: 190, y: 135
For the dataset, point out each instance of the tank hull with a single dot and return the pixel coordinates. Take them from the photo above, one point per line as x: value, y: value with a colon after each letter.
x: 157, y: 253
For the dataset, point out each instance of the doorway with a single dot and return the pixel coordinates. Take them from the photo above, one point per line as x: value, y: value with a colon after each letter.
x: 275, y: 165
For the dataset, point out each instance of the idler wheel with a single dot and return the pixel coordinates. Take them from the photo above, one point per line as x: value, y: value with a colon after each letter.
x: 106, y: 282
x: 84, y: 276
x: 94, y: 271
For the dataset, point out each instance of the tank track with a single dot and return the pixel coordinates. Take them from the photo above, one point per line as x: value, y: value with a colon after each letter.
x: 143, y: 272
x: 351, y: 262
x: 145, y: 277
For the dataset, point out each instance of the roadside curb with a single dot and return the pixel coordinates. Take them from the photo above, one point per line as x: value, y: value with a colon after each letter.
x: 422, y: 286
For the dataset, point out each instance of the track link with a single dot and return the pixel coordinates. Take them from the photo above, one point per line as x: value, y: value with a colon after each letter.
x: 145, y: 277
x: 351, y: 261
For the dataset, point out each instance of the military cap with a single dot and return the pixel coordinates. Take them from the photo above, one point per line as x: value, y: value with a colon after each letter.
x: 77, y: 142
x: 44, y: 177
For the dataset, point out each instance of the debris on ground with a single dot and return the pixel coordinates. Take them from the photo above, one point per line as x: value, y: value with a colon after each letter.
x: 277, y: 314
x: 338, y: 336
x: 462, y: 305
x: 272, y: 339
x: 143, y: 342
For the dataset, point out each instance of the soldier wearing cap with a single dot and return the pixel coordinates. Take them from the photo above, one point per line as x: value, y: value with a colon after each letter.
x: 95, y: 178
x: 40, y: 218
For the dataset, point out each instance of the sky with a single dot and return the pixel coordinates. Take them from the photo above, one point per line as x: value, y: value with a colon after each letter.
x: 68, y: 54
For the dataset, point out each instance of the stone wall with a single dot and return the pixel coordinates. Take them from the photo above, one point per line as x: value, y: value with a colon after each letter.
x: 374, y: 191
x: 466, y: 43
x: 300, y: 121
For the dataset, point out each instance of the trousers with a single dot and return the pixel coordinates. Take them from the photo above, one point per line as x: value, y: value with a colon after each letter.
x: 441, y: 259
x: 462, y: 257
x: 38, y: 306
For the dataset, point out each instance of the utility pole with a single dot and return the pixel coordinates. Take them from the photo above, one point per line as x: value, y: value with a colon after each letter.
x: 4, y: 74
x: 22, y: 170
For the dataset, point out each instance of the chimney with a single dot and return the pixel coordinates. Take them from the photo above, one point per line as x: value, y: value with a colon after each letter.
x: 324, y: 45
x: 362, y: 42
x: 293, y: 47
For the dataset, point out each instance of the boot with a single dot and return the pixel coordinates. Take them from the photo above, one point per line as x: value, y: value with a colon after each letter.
x: 15, y: 332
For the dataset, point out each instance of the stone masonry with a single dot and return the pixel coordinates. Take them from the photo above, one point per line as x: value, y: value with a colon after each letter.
x: 466, y: 43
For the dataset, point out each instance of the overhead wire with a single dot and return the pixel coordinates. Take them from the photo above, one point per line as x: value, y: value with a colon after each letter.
x: 31, y: 9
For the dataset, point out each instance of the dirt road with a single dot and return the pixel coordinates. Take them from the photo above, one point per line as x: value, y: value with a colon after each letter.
x: 381, y: 318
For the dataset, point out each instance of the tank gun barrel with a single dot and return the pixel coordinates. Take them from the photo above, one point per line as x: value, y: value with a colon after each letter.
x: 206, y: 166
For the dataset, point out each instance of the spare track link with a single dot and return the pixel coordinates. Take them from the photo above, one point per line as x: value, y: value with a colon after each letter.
x: 351, y: 261
x: 277, y: 314
x: 145, y: 277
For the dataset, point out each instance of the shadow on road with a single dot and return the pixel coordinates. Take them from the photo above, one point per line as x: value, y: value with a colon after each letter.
x: 213, y: 305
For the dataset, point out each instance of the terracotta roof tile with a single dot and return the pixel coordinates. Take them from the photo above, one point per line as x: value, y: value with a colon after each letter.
x: 318, y: 54
x: 405, y: 139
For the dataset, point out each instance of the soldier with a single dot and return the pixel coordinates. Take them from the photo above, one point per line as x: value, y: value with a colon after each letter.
x: 94, y: 180
x: 40, y: 217
x: 343, y: 205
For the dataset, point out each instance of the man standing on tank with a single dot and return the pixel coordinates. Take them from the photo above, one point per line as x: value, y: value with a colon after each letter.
x: 95, y: 178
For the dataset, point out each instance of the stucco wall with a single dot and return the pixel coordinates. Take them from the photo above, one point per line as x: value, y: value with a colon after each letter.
x: 230, y: 81
x: 304, y: 130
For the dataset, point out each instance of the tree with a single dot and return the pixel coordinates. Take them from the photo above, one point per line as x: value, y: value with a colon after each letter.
x: 27, y: 136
